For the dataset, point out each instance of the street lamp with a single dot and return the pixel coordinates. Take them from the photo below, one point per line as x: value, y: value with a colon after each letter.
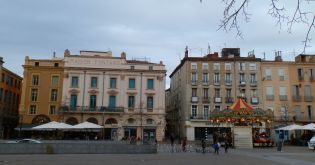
x: 141, y: 129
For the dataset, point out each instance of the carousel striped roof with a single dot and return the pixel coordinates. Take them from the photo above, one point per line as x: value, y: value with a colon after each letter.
x: 241, y: 104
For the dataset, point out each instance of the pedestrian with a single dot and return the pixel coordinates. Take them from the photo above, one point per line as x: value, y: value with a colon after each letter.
x: 280, y: 141
x: 184, y: 143
x: 226, y: 146
x: 172, y: 139
x: 216, y: 148
x: 203, y: 145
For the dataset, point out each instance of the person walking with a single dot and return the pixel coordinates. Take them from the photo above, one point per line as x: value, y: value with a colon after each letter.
x: 216, y: 148
x: 226, y: 146
x: 184, y: 143
x: 280, y: 141
x: 203, y: 146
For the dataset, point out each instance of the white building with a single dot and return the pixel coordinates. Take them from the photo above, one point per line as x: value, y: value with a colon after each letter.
x: 126, y: 96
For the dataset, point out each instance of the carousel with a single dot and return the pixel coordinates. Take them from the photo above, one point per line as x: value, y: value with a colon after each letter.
x: 246, y: 122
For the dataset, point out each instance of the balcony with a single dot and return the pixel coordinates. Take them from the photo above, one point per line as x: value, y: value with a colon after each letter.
x: 312, y: 78
x: 199, y: 117
x: 270, y: 97
x: 281, y: 78
x: 87, y: 109
x: 308, y: 98
x: 268, y: 77
x: 194, y: 83
x: 242, y: 83
x: 253, y: 83
x: 255, y: 100
x: 194, y: 99
x: 228, y: 82
x: 296, y: 98
x: 228, y: 99
x: 217, y: 100
x: 283, y: 97
x: 206, y: 99
x: 216, y: 82
x: 205, y: 83
x: 301, y: 78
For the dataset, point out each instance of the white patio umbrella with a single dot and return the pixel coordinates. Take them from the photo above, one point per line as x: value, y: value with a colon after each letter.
x: 290, y: 127
x: 86, y: 125
x: 52, y: 126
x: 310, y: 126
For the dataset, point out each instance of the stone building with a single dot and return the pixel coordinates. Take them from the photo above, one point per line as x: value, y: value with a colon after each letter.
x: 10, y: 93
x: 127, y: 97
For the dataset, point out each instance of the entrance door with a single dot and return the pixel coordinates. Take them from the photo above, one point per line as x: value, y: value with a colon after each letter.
x: 114, y: 134
x: 149, y: 134
x: 243, y: 137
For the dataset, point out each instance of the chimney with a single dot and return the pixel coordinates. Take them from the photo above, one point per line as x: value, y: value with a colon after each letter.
x: 123, y: 55
x: 67, y: 53
x: 1, y: 61
x: 278, y: 57
x: 186, y: 52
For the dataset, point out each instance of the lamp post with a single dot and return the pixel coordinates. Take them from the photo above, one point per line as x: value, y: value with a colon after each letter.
x: 141, y: 129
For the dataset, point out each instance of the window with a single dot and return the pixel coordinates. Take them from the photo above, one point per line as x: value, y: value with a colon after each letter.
x: 228, y: 78
x: 206, y: 111
x: 131, y: 102
x: 242, y: 78
x: 205, y: 93
x: 281, y: 74
x: 132, y: 67
x: 35, y: 80
x: 283, y: 113
x: 297, y: 110
x: 252, y: 66
x: 205, y: 78
x: 53, y: 96
x: 300, y: 73
x: 132, y: 83
x: 217, y: 92
x: 74, y: 81
x: 311, y: 73
x: 193, y: 78
x: 217, y: 107
x: 268, y: 74
x: 309, y: 112
x: 296, y: 91
x: 269, y: 90
x: 194, y: 92
x: 193, y: 111
x: 73, y: 102
x: 52, y: 110
x: 54, y: 81
x: 228, y: 66
x: 1, y: 93
x: 32, y: 110
x: 216, y: 66
x: 150, y: 121
x: 36, y: 63
x: 241, y: 66
x: 253, y: 78
x: 205, y: 66
x: 228, y: 93
x: 34, y: 93
x: 150, y: 102
x: 307, y: 91
x: 93, y: 82
x: 56, y: 64
x: 92, y: 102
x: 112, y: 83
x: 193, y: 66
x: 3, y: 77
x: 253, y: 93
x: 112, y: 102
x: 150, y: 67
x: 150, y: 84
x: 282, y: 91
x: 216, y: 78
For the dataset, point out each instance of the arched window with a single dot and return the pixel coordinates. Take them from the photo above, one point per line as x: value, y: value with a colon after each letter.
x: 72, y: 121
x: 131, y: 121
x: 150, y: 121
x: 111, y: 121
x: 92, y: 120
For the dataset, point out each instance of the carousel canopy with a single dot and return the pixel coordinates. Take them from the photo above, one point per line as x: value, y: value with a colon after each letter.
x: 240, y: 104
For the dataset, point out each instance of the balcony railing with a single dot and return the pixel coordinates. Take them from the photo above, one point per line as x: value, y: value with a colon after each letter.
x: 217, y: 99
x: 194, y: 83
x: 216, y: 82
x: 254, y: 100
x: 206, y: 99
x: 228, y: 82
x: 242, y: 83
x: 281, y: 78
x: 194, y: 99
x: 270, y: 97
x: 308, y: 98
x: 300, y: 77
x: 205, y: 82
x: 312, y: 78
x: 253, y: 83
x: 296, y: 98
x: 283, y: 97
x: 228, y: 99
x: 87, y: 109
x: 199, y: 117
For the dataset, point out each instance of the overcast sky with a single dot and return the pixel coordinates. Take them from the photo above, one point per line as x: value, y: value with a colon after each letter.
x: 156, y: 29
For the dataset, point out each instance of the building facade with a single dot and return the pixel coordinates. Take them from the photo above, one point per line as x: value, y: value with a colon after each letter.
x: 41, y: 91
x: 10, y: 93
x: 201, y: 85
x: 127, y: 97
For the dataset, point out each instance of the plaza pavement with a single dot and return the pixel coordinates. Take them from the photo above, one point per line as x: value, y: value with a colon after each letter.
x: 257, y: 156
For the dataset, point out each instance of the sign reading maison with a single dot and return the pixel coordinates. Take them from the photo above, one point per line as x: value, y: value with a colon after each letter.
x: 93, y: 62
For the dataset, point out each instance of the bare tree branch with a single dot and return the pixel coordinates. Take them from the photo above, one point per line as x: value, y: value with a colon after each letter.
x: 307, y: 38
x: 298, y: 16
x: 277, y: 13
x: 230, y: 21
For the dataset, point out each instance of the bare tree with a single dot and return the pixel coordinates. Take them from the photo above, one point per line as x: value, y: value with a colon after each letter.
x: 236, y: 10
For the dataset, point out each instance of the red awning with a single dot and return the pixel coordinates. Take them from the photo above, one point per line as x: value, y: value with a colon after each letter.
x: 240, y: 104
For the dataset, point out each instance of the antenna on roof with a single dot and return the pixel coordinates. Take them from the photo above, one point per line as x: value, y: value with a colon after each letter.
x: 209, y: 49
x: 264, y: 53
x: 54, y: 54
